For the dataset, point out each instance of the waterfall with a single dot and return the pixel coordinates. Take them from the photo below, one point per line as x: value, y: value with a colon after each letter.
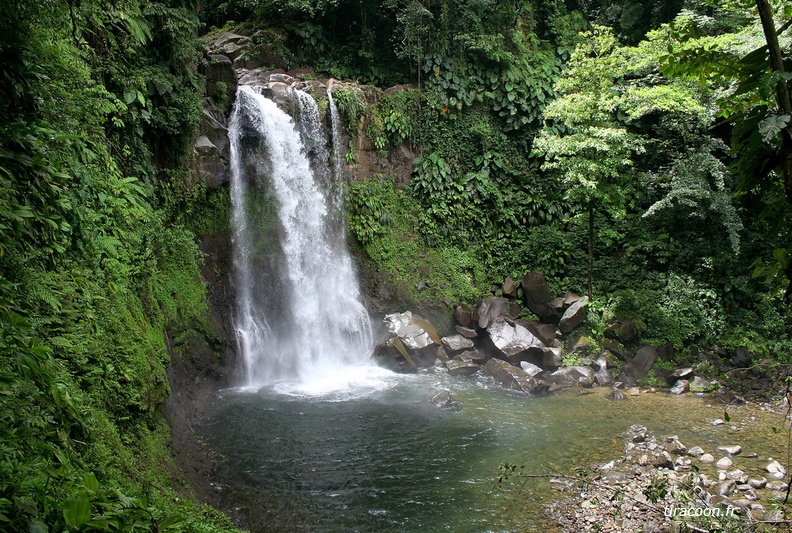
x: 335, y: 125
x: 298, y: 314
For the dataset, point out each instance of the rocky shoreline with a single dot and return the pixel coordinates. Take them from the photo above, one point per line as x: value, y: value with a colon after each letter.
x: 549, y: 352
x: 661, y: 485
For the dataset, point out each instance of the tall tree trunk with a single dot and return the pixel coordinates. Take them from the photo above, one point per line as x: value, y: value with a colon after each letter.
x: 590, y: 250
x: 782, y: 91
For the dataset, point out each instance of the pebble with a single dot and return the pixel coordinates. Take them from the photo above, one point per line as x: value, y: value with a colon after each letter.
x: 707, y: 458
x: 718, y: 422
x: 731, y: 450
x: 776, y: 470
x: 695, y: 451
x: 724, y: 462
x: 777, y: 486
x: 758, y: 483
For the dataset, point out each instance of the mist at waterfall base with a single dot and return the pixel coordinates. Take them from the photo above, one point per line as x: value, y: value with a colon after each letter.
x: 300, y: 325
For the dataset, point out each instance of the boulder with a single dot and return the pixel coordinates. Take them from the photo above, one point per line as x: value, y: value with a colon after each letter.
x: 570, y: 298
x: 280, y: 93
x: 637, y: 368
x: 603, y: 377
x: 460, y: 367
x: 617, y: 349
x: 489, y: 309
x: 574, y: 316
x: 511, y: 338
x: 413, y: 331
x: 442, y: 399
x: 582, y: 345
x: 616, y: 395
x: 457, y: 343
x: 682, y: 373
x: 473, y: 356
x: 543, y: 332
x: 681, y: 386
x: 570, y: 376
x: 509, y: 288
x: 551, y: 358
x: 468, y: 333
x: 622, y: 330
x: 537, y: 295
x: 463, y: 315
x: 699, y: 384
x: 531, y: 369
x: 512, y: 377
x: 740, y: 357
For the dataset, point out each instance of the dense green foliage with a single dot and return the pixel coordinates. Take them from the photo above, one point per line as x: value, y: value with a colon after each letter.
x: 98, y: 104
x: 629, y: 146
x: 600, y: 158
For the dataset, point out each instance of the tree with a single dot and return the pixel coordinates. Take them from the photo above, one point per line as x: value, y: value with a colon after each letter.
x: 583, y: 141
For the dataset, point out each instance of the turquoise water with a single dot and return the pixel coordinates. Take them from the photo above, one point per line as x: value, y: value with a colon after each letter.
x: 384, y: 459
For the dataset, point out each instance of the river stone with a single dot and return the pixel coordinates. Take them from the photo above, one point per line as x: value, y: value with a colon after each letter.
x: 414, y: 332
x: 758, y: 483
x: 727, y: 487
x: 707, y: 458
x: 699, y: 384
x: 680, y: 387
x: 616, y: 395
x: 510, y: 376
x: 551, y: 358
x: 695, y: 451
x: 682, y: 373
x: 468, y: 333
x: 570, y: 376
x: 603, y: 377
x: 442, y: 399
x: 511, y: 338
x: 463, y: 315
x: 637, y: 368
x: 730, y: 450
x: 531, y: 369
x: 724, y: 462
x: 778, y: 486
x: 490, y: 309
x: 737, y: 475
x: 543, y: 332
x: 457, y: 343
x: 473, y: 356
x: 776, y: 470
x: 459, y: 367
x: 574, y: 316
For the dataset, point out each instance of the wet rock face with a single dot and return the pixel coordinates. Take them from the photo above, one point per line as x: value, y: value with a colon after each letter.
x: 512, y: 377
x: 511, y: 338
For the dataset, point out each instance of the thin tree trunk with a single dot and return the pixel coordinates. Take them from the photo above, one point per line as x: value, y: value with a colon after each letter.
x: 782, y: 90
x: 590, y: 250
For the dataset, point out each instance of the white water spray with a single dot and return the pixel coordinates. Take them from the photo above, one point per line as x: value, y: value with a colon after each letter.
x: 305, y: 322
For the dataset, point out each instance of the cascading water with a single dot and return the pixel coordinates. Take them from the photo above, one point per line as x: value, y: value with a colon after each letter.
x: 305, y: 322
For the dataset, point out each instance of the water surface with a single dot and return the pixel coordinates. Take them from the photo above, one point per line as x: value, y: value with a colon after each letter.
x: 382, y: 458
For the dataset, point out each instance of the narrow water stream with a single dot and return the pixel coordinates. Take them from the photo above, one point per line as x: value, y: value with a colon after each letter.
x: 388, y: 460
